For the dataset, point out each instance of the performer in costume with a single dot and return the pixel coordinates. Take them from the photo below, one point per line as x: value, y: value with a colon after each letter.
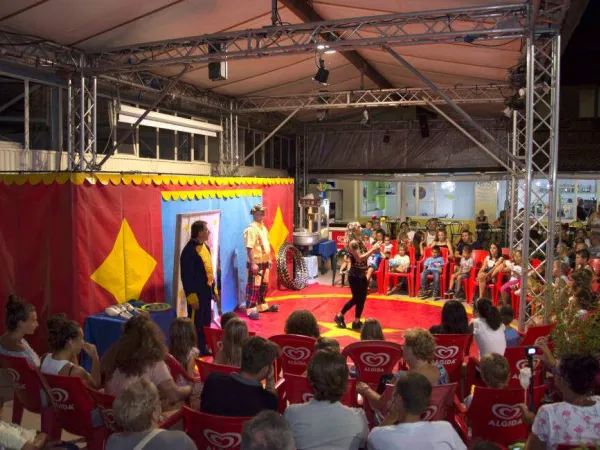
x: 258, y: 248
x: 198, y: 279
x: 357, y: 276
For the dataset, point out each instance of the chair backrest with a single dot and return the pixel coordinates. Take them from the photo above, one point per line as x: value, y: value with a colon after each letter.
x: 516, y: 361
x: 213, y: 432
x: 537, y: 335
x: 73, y: 403
x: 450, y: 351
x: 595, y: 264
x: 214, y: 338
x: 27, y: 384
x: 177, y: 371
x: 535, y: 263
x: 374, y: 359
x: 478, y: 258
x: 104, y: 403
x: 505, y: 252
x: 205, y: 368
x: 296, y: 351
x: 442, y: 397
x: 496, y: 416
x: 299, y: 390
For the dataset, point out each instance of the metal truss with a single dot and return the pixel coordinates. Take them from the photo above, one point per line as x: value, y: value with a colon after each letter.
x: 229, y: 156
x: 379, y: 127
x: 535, y: 142
x: 81, y: 124
x: 430, y: 27
x: 301, y: 176
x: 370, y: 98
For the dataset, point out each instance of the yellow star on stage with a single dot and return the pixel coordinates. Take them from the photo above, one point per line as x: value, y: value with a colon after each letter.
x: 335, y: 331
x: 127, y: 268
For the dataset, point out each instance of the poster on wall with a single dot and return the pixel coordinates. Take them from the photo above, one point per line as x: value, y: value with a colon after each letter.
x: 486, y: 198
x: 184, y: 228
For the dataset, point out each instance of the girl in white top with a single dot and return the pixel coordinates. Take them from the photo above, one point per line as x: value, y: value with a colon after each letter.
x: 492, y: 265
x: 65, y: 339
x: 488, y: 329
x: 575, y: 420
x: 20, y: 320
x: 514, y: 268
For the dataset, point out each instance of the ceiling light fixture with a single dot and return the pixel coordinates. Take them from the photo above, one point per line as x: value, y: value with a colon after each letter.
x: 366, y: 119
x: 322, y: 73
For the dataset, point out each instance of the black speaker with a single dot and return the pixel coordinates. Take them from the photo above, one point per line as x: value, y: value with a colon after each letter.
x: 217, y: 71
x: 424, y: 125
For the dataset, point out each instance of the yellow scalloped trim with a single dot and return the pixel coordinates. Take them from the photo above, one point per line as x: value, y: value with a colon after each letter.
x: 208, y: 193
x: 137, y: 179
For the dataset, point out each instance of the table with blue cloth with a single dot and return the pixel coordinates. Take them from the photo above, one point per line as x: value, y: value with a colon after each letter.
x: 103, y: 331
x: 327, y: 250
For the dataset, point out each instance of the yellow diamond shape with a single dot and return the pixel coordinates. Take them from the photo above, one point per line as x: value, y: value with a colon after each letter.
x: 278, y: 232
x: 127, y: 268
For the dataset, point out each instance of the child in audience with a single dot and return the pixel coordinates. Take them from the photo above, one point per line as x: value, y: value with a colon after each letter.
x: 367, y: 240
x: 373, y: 264
x: 561, y: 252
x: 325, y: 343
x: 183, y: 347
x: 418, y: 243
x: 582, y: 259
x: 345, y: 267
x: 442, y: 241
x: 514, y: 268
x: 401, y: 262
x: 512, y: 336
x: 495, y: 373
x: 583, y: 301
x: 236, y: 333
x: 560, y: 273
x: 432, y: 266
x: 461, y: 272
x: 15, y: 437
x: 371, y: 331
x: 387, y: 246
x: 226, y: 318
x: 368, y: 229
x: 488, y: 329
x: 594, y: 245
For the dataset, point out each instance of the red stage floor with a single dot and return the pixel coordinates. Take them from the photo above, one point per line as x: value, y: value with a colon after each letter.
x: 396, y: 314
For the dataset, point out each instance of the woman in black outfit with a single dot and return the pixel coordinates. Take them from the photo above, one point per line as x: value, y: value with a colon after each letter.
x: 454, y: 320
x: 357, y: 276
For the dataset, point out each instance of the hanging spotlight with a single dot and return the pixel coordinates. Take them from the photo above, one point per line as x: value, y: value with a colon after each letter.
x: 322, y: 73
x: 322, y: 115
x: 325, y: 49
x: 365, y: 120
x: 386, y: 137
x: 508, y: 112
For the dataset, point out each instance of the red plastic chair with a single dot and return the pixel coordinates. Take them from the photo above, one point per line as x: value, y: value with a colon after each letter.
x: 495, y: 415
x: 410, y: 275
x: 505, y: 253
x: 28, y: 391
x: 443, y: 276
x: 296, y: 351
x: 177, y: 371
x: 104, y: 403
x: 537, y: 335
x: 214, y: 339
x: 450, y: 351
x: 299, y: 390
x: 442, y: 399
x: 74, y: 408
x: 595, y: 264
x: 205, y: 368
x: 373, y: 359
x: 208, y: 431
x: 471, y: 283
x: 516, y: 361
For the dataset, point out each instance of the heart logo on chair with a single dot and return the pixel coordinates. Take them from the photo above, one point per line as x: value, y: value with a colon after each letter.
x: 542, y: 340
x: 220, y: 345
x: 506, y: 412
x: 14, y: 375
x: 307, y: 397
x: 222, y: 440
x: 524, y: 364
x: 59, y: 395
x: 296, y: 353
x: 449, y: 352
x: 429, y: 412
x: 375, y: 359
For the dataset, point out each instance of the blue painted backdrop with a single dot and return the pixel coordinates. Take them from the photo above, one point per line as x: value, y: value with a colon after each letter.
x: 235, y: 216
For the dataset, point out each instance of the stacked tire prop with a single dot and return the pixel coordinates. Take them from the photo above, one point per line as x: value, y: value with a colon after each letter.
x: 300, y: 279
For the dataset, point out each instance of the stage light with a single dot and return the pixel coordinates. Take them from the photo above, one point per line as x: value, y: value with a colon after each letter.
x: 325, y: 49
x: 322, y: 73
x: 322, y: 115
x: 130, y: 115
x: 522, y: 92
x: 366, y: 119
x: 508, y: 112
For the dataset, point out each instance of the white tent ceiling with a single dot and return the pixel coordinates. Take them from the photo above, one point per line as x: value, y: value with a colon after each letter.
x: 98, y: 25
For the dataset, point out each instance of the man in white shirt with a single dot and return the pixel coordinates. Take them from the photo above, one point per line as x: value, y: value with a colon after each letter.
x: 411, y: 398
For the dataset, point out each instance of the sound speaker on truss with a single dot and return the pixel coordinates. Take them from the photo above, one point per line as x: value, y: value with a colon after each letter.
x: 424, y: 126
x: 217, y: 71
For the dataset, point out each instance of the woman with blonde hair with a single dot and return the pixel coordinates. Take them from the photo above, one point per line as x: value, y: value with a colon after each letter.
x: 236, y: 333
x: 357, y: 276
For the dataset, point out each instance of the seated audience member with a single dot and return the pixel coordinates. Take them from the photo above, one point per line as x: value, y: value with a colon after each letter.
x: 387, y: 246
x: 461, y: 272
x: 582, y: 259
x: 137, y: 410
x: 575, y: 420
x: 183, y: 344
x: 495, y: 373
x: 65, y: 339
x: 401, y: 262
x: 324, y: 422
x: 512, y: 336
x: 302, y: 322
x: 373, y: 263
x: 454, y: 319
x: 236, y: 333
x: 594, y: 245
x: 465, y: 238
x: 580, y: 279
x: 489, y: 270
x: 140, y: 352
x: 371, y: 331
x: 434, y: 266
x: 227, y: 317
x: 16, y: 437
x: 403, y: 427
x: 562, y: 252
x: 20, y: 320
x: 418, y: 243
x: 580, y: 234
x: 442, y: 241
x: 267, y: 431
x: 242, y: 394
x: 488, y: 329
x: 325, y: 343
x: 514, y: 268
x: 560, y: 272
x: 582, y: 302
x: 368, y: 229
